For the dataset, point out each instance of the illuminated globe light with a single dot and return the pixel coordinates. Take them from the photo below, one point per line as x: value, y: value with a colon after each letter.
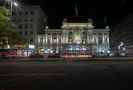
x: 32, y: 46
x: 57, y: 51
x: 84, y: 49
x: 51, y: 51
x: 70, y: 48
x: 46, y: 51
x: 108, y: 51
x: 78, y: 42
x: 15, y: 3
x: 77, y: 49
x: 124, y: 48
x: 8, y: 46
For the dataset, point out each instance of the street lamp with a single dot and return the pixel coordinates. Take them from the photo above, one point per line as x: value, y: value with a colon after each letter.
x: 11, y: 6
x: 11, y: 9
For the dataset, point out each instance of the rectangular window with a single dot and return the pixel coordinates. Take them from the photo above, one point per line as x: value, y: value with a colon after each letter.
x: 48, y: 41
x: 54, y: 34
x: 20, y: 39
x: 19, y: 20
x: 26, y: 13
x: 25, y: 33
x: 25, y: 40
x: 20, y: 26
x: 100, y: 38
x: 14, y: 20
x: 20, y: 33
x: 54, y: 41
x: 31, y: 20
x: 31, y: 12
x: 41, y: 41
x: 49, y: 33
x: 20, y: 13
x: 13, y: 13
x: 31, y: 40
x: 26, y: 26
x: 95, y: 38
x: 31, y: 26
x: 59, y: 40
x: 31, y: 33
x: 105, y: 38
x: 70, y: 41
x: 26, y: 20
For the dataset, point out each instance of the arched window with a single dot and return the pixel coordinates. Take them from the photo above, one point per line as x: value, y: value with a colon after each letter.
x: 99, y: 38
x: 105, y: 38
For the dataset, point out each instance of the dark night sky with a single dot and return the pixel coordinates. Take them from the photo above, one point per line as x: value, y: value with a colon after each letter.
x: 56, y: 10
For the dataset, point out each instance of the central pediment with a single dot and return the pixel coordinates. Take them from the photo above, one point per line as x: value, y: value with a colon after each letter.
x: 78, y: 22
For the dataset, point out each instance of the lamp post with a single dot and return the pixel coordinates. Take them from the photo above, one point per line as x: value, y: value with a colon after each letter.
x: 11, y: 9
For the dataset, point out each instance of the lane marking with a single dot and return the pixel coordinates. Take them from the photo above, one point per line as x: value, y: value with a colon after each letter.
x: 17, y: 75
x: 35, y: 78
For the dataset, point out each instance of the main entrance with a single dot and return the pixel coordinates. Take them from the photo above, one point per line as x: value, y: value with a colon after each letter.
x: 77, y: 51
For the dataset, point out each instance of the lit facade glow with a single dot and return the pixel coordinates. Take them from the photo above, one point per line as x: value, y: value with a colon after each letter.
x: 75, y: 38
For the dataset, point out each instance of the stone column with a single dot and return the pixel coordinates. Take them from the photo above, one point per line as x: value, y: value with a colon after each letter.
x: 51, y: 39
x: 46, y: 40
x: 66, y: 38
x: 103, y: 41
x: 96, y: 38
x: 88, y: 37
x: 57, y: 39
x: 63, y: 37
x: 108, y: 38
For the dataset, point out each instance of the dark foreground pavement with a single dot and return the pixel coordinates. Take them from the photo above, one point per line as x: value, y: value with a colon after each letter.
x: 66, y: 75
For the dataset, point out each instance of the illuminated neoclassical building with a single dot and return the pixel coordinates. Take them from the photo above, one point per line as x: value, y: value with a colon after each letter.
x: 76, y: 36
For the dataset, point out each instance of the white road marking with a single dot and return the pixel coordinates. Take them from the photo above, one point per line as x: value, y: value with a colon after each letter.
x: 33, y: 75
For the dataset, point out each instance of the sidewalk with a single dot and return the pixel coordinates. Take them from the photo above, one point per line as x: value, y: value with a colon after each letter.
x: 70, y: 58
x: 114, y: 58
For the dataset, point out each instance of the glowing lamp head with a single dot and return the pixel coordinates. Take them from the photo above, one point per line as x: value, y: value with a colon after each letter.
x: 16, y: 4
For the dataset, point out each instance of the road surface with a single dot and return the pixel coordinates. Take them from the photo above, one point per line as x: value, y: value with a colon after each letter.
x: 66, y: 75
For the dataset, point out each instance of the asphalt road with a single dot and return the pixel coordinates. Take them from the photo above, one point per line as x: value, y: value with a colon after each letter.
x: 66, y: 75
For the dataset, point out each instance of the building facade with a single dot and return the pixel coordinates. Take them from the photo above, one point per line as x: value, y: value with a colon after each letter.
x: 123, y: 32
x: 31, y: 21
x: 77, y: 35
